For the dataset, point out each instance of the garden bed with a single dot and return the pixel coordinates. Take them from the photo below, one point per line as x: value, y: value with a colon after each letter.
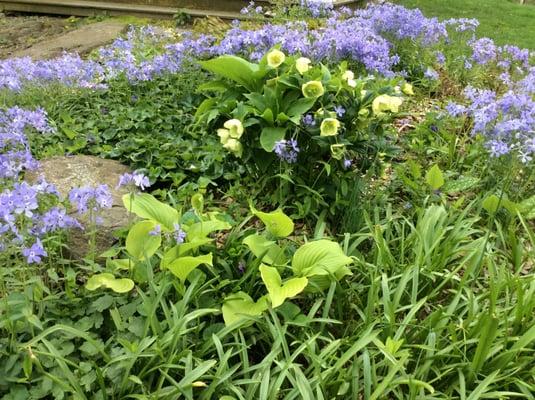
x: 315, y: 204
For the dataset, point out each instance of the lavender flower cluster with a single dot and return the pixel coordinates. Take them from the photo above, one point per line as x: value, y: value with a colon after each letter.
x: 287, y: 150
x: 363, y: 36
x: 504, y: 118
x: 31, y: 212
x: 506, y: 122
x: 15, y: 155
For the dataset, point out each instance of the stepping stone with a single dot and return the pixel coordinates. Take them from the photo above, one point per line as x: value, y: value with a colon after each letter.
x: 82, y: 40
x: 68, y: 172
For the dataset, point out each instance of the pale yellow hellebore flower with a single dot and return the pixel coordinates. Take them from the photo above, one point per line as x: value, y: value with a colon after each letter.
x: 329, y: 127
x: 313, y: 89
x: 302, y: 65
x: 234, y: 146
x: 385, y: 103
x: 275, y: 58
x: 407, y: 89
x: 349, y: 76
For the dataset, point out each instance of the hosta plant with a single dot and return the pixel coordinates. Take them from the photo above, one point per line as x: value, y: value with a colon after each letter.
x: 311, y: 268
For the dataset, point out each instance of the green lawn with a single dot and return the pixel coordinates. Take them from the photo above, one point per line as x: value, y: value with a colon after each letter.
x: 504, y: 21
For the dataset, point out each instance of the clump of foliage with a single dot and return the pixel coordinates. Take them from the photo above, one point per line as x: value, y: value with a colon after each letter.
x: 381, y: 273
x: 319, y: 127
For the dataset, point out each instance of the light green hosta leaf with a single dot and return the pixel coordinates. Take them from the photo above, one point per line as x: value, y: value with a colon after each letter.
x: 279, y: 292
x: 119, y: 263
x: 107, y: 280
x: 491, y: 204
x: 197, y: 203
x: 147, y: 207
x: 277, y: 223
x: 139, y: 243
x: 234, y: 68
x: 182, y: 266
x: 321, y: 257
x: 181, y: 250
x: 269, y: 250
x: 200, y: 230
x: 240, y: 304
x: 434, y: 177
x: 270, y: 136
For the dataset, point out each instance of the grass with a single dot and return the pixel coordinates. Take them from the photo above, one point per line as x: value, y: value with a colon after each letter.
x: 504, y: 21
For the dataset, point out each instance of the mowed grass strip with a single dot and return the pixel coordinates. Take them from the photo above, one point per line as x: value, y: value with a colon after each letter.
x: 505, y: 21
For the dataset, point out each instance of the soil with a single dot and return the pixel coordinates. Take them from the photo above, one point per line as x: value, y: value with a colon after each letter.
x: 45, y: 37
x: 19, y: 32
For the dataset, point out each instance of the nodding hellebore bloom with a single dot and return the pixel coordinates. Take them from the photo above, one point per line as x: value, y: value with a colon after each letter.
x: 407, y: 89
x: 230, y: 136
x: 385, y: 103
x: 313, y: 89
x: 349, y: 77
x: 329, y: 127
x: 302, y: 65
x: 275, y: 58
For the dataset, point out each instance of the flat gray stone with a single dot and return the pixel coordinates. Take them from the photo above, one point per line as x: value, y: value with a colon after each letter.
x: 82, y: 40
x: 68, y: 172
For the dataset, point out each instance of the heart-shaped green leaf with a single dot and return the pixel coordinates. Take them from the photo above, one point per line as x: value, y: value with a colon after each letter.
x: 278, y: 291
x: 321, y: 257
x: 181, y: 250
x: 182, y: 266
x: 277, y: 223
x: 146, y: 206
x: 270, y: 252
x: 240, y: 304
x: 107, y: 280
x: 200, y: 230
x: 140, y: 244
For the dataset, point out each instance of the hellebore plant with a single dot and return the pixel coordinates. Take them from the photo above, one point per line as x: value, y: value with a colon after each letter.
x: 289, y: 110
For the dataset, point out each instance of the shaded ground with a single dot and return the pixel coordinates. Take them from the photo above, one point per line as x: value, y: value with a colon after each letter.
x: 19, y: 32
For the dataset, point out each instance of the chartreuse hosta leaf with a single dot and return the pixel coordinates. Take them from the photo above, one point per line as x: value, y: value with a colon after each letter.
x: 319, y: 261
x: 181, y: 250
x: 108, y: 281
x: 200, y: 230
x: 239, y: 305
x: 140, y: 244
x: 148, y: 207
x: 278, y: 291
x: 181, y: 267
x: 268, y: 250
x: 277, y: 223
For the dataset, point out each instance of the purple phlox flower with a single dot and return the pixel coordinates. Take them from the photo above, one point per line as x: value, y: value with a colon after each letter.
x: 287, y: 150
x: 34, y: 253
x: 309, y: 120
x: 136, y: 178
x: 348, y: 163
x: 440, y: 57
x: 241, y: 267
x: 156, y: 231
x: 340, y: 111
x: 88, y: 198
x: 178, y: 234
x: 431, y: 74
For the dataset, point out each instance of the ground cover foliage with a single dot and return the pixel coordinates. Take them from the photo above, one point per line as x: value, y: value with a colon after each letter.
x: 326, y: 204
